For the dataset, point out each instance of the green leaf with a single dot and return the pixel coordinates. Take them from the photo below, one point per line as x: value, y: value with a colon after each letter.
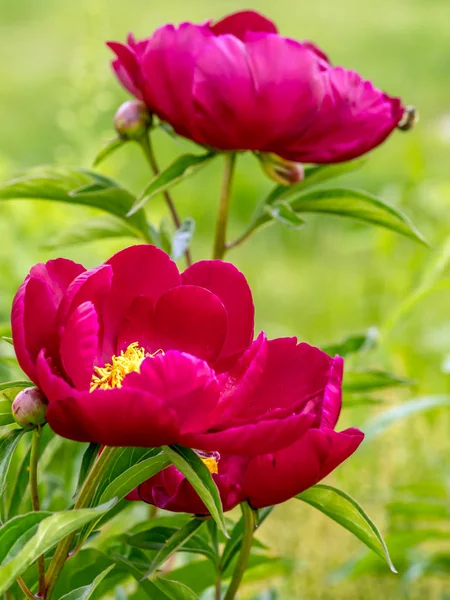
x: 198, y: 475
x: 360, y: 342
x: 9, y: 385
x: 353, y: 204
x: 398, y: 413
x: 87, y: 461
x: 182, y: 167
x: 17, y: 489
x: 94, y: 229
x: 372, y: 379
x: 134, y: 476
x: 49, y: 532
x: 107, y: 150
x: 173, y: 544
x: 85, y: 592
x: 17, y: 531
x: 343, y: 509
x: 182, y: 238
x: 283, y: 213
x: 6, y: 417
x: 78, y: 186
x: 8, y: 443
x: 314, y: 175
x: 8, y: 339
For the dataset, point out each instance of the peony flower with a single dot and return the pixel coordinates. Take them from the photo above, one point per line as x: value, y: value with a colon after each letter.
x: 131, y: 353
x: 239, y: 85
x: 272, y: 478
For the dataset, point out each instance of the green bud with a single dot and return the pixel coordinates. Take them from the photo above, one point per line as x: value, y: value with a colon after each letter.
x: 132, y: 120
x: 29, y: 408
x: 281, y: 170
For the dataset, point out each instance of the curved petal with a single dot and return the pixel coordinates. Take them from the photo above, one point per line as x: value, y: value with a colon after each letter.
x: 137, y: 325
x: 239, y: 383
x: 58, y: 274
x: 183, y: 383
x: 230, y: 285
x: 250, y: 439
x: 142, y: 270
x: 293, y: 372
x: 126, y: 67
x: 239, y: 23
x: 332, y: 398
x: 190, y: 319
x: 170, y: 490
x: 79, y: 345
x: 274, y: 478
x: 355, y: 117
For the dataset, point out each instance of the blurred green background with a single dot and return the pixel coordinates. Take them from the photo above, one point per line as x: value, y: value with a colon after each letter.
x: 333, y: 278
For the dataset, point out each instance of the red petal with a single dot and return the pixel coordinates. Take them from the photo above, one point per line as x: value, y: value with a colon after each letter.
x: 230, y: 285
x: 190, y: 319
x: 239, y: 23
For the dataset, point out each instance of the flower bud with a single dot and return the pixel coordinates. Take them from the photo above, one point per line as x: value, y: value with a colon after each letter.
x: 281, y: 170
x: 132, y: 120
x: 29, y: 408
x: 409, y: 119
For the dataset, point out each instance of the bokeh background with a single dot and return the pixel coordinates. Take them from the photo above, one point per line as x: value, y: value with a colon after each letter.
x: 329, y: 280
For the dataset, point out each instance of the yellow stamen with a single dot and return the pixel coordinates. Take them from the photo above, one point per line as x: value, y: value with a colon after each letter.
x: 112, y: 374
x: 212, y: 465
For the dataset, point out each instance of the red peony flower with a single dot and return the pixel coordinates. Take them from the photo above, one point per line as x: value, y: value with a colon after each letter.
x: 239, y: 85
x: 132, y: 353
x: 273, y: 478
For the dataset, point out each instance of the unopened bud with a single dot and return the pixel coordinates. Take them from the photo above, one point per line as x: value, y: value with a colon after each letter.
x: 409, y: 119
x: 132, y: 120
x: 29, y: 408
x: 281, y: 170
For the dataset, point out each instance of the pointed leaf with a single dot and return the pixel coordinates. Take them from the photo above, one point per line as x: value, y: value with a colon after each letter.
x: 360, y: 342
x: 17, y: 489
x: 78, y: 186
x: 49, y: 532
x: 108, y: 149
x: 17, y: 531
x: 372, y: 379
x: 343, y: 509
x: 88, y: 231
x: 7, y: 339
x: 6, y: 417
x: 8, y: 443
x: 398, y: 413
x: 283, y: 213
x: 9, y: 385
x: 182, y: 167
x: 89, y: 456
x: 85, y: 592
x: 182, y: 238
x: 198, y: 475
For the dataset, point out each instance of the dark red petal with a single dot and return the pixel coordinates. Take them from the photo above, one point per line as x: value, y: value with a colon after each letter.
x: 332, y: 398
x: 354, y: 118
x: 79, y: 345
x: 138, y: 271
x: 239, y: 23
x: 58, y: 274
x: 183, y: 383
x: 253, y: 438
x: 230, y: 285
x: 190, y: 319
x: 274, y: 478
x: 137, y: 325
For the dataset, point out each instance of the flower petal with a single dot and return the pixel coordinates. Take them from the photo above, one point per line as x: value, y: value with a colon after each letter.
x: 126, y: 68
x: 240, y: 22
x: 58, y: 274
x: 137, y: 325
x: 355, y: 117
x: 183, y: 383
x: 138, y: 271
x: 79, y: 345
x: 274, y: 478
x: 332, y: 398
x: 230, y: 285
x: 190, y: 319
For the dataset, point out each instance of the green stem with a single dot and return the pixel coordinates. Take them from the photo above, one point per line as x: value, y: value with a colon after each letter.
x: 23, y: 586
x: 146, y: 145
x: 84, y: 498
x: 246, y: 546
x: 224, y: 207
x: 238, y: 241
x: 34, y: 459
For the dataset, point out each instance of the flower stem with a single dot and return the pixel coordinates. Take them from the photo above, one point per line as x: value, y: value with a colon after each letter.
x: 146, y: 145
x: 34, y: 459
x: 23, y: 586
x: 224, y: 207
x: 246, y: 545
x: 84, y: 498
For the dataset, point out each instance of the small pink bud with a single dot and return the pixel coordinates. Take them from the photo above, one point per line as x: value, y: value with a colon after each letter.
x: 132, y: 120
x: 281, y: 170
x: 29, y: 407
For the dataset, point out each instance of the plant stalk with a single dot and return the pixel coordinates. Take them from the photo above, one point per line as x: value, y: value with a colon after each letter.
x: 84, y: 498
x: 34, y: 459
x: 220, y: 245
x: 244, y: 555
x: 147, y: 148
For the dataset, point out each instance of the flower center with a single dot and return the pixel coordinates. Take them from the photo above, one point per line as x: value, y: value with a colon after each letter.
x: 112, y: 374
x: 211, y: 460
